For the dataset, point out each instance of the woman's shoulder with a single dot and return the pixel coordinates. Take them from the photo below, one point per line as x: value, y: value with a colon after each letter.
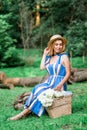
x: 48, y: 56
x: 65, y: 56
x: 47, y: 59
x: 64, y: 53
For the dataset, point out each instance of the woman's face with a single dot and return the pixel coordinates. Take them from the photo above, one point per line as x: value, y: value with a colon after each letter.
x: 58, y: 46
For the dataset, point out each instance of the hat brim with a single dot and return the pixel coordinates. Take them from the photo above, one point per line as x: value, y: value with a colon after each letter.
x: 60, y: 38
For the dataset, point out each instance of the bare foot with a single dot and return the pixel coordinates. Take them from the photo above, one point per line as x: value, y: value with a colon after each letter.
x: 24, y: 113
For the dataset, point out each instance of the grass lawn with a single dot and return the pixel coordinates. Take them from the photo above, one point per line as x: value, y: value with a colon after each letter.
x: 75, y: 121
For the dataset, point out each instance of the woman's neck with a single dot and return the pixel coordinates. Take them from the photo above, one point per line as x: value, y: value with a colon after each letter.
x: 58, y: 53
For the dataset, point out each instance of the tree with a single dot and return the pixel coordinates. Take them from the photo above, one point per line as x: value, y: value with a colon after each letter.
x: 63, y: 17
x: 56, y: 16
x: 8, y: 52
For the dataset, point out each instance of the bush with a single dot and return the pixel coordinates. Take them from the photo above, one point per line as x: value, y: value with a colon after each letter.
x: 8, y: 52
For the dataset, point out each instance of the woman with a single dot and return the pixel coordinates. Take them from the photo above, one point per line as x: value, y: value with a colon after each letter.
x: 56, y: 62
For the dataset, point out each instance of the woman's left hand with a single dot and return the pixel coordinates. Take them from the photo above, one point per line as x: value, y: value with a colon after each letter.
x: 58, y: 88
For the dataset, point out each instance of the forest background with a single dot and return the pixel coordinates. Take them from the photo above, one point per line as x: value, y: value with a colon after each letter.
x: 30, y: 23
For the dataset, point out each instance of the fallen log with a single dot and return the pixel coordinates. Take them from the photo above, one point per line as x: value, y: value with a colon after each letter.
x: 77, y: 75
x: 23, y: 81
x: 4, y: 86
x: 80, y: 76
x: 11, y: 82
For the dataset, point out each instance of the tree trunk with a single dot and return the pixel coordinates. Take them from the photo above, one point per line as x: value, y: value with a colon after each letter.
x: 37, y: 14
x: 80, y: 76
x: 77, y: 75
x: 4, y: 86
x: 29, y: 81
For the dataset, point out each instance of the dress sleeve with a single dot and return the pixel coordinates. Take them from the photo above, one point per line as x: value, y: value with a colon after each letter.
x: 47, y: 60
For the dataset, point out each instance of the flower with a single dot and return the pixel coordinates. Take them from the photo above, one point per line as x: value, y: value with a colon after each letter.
x: 46, y: 97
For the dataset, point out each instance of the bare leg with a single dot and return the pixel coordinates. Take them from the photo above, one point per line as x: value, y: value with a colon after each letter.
x: 24, y: 113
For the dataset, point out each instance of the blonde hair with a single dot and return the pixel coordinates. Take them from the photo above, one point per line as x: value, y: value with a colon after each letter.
x: 50, y: 47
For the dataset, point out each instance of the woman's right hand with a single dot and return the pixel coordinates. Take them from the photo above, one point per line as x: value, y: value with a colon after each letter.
x: 46, y: 51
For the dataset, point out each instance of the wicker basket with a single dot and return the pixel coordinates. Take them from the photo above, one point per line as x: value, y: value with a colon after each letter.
x: 60, y: 107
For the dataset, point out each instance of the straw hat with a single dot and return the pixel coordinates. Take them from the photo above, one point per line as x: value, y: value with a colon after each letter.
x: 55, y: 37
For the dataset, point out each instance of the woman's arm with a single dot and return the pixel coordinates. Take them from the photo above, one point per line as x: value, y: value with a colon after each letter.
x: 42, y: 64
x: 65, y: 61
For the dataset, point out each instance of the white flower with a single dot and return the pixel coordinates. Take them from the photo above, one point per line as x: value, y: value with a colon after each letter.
x: 58, y: 94
x: 46, y: 97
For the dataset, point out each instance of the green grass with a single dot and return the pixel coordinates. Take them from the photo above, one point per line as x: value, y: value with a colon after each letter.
x: 79, y: 62
x: 75, y: 121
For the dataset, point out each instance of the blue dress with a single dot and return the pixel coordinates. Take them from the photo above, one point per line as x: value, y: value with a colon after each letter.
x: 56, y: 74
